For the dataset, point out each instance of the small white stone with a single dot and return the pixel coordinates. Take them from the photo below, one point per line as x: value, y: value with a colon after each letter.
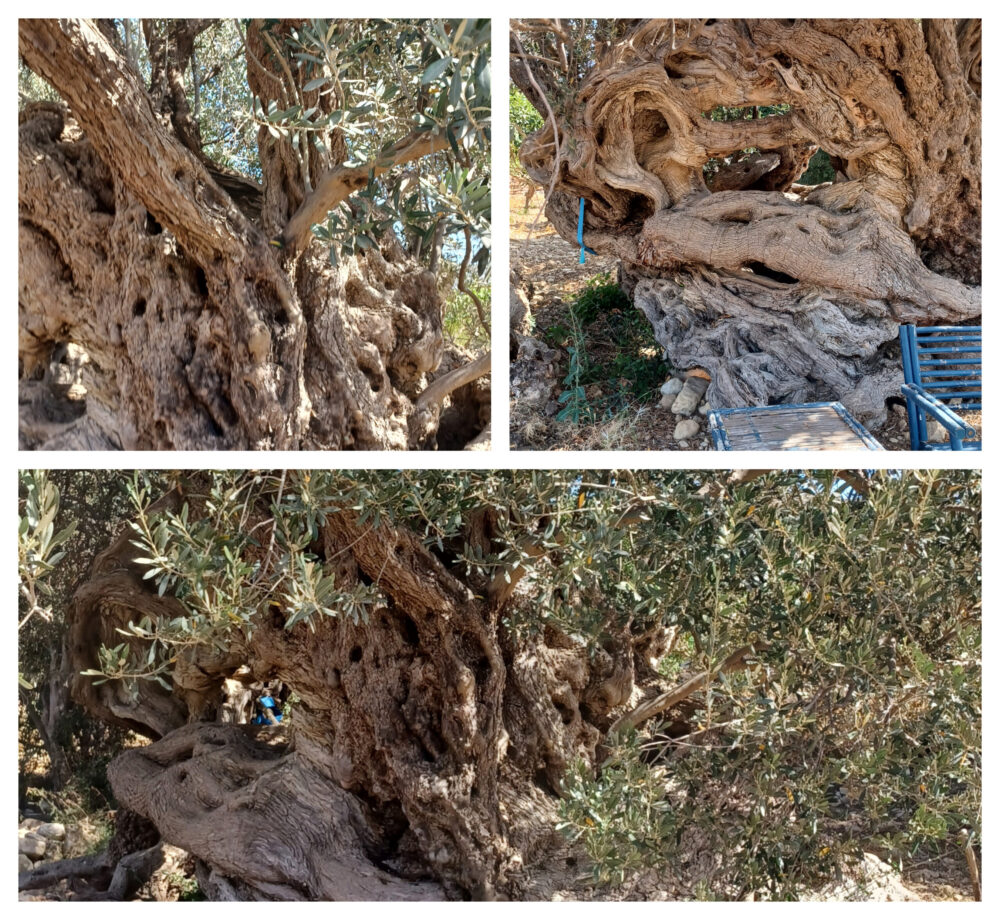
x: 688, y: 428
x: 31, y: 846
x: 53, y: 831
x: 683, y: 445
x: 24, y: 864
x: 672, y: 387
x: 690, y: 396
x: 667, y: 400
x: 704, y: 408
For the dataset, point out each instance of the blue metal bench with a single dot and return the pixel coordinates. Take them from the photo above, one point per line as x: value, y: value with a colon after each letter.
x: 942, y: 363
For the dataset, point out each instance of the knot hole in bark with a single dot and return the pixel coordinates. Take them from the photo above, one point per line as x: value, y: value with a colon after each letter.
x: 759, y: 268
x: 408, y: 630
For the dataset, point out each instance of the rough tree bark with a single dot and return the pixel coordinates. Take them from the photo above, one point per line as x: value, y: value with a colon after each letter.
x: 782, y: 296
x: 423, y: 758
x: 199, y: 334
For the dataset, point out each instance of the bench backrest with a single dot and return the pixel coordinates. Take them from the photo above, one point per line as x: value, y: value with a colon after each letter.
x: 946, y: 361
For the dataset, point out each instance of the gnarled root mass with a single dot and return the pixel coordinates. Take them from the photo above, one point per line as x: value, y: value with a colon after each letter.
x: 783, y: 294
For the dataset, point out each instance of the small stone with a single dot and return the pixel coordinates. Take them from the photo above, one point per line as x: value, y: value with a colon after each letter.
x: 24, y: 864
x: 688, y: 428
x: 52, y: 831
x: 667, y: 400
x: 31, y: 846
x: 690, y: 396
x: 899, y: 410
x: 672, y: 387
x: 936, y: 431
x: 683, y: 445
x: 704, y: 408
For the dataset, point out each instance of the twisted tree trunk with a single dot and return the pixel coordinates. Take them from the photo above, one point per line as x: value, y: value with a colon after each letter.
x: 199, y: 333
x: 784, y: 294
x: 421, y: 761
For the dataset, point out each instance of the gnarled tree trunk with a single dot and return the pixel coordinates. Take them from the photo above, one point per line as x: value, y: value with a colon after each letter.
x: 424, y: 754
x: 784, y: 294
x: 198, y: 333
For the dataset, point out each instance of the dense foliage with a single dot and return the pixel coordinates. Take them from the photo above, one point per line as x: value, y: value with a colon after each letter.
x: 858, y: 727
x: 524, y: 120
x: 65, y: 518
x: 386, y: 79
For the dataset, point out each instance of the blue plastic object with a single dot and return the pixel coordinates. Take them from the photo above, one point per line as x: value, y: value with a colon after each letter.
x: 942, y: 363
x: 266, y: 703
x: 579, y: 236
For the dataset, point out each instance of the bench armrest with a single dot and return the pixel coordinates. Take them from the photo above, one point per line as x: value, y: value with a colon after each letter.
x: 934, y: 407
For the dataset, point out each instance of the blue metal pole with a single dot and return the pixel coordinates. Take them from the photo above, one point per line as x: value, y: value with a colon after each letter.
x: 579, y: 233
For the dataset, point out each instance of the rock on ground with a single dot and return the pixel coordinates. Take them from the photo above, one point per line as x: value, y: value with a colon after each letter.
x: 690, y: 396
x: 865, y: 879
x: 686, y: 428
x: 31, y: 845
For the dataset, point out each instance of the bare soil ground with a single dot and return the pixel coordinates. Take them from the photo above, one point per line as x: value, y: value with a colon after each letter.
x: 551, y: 271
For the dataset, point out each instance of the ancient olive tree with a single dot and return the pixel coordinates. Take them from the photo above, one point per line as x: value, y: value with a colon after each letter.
x: 472, y: 658
x: 685, y: 139
x: 229, y: 232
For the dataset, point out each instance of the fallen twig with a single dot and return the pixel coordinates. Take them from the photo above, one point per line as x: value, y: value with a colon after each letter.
x: 736, y: 661
x: 970, y: 859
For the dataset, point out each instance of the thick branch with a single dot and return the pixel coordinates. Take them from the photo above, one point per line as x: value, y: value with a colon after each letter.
x: 396, y: 560
x: 74, y: 56
x: 448, y: 383
x: 339, y: 183
x: 735, y: 662
x: 862, y: 254
x: 50, y: 873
